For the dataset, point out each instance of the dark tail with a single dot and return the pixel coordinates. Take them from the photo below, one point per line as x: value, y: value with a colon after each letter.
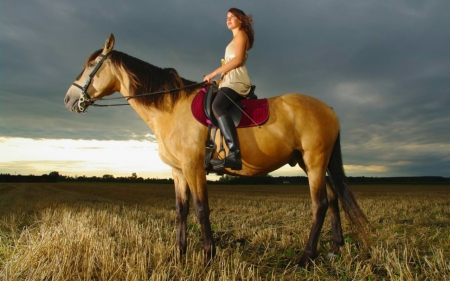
x: 339, y: 183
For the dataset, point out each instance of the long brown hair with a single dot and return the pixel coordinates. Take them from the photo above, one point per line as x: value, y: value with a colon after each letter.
x: 247, y: 23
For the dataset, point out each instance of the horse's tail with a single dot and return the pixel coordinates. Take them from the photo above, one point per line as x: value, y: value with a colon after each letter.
x: 339, y: 183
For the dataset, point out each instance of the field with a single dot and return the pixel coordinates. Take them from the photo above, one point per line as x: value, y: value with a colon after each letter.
x: 87, y: 231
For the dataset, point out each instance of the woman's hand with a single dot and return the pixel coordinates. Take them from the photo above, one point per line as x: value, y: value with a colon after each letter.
x: 210, y: 76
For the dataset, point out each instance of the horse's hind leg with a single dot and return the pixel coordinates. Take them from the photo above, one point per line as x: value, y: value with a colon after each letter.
x: 333, y: 207
x: 316, y: 178
x: 182, y: 195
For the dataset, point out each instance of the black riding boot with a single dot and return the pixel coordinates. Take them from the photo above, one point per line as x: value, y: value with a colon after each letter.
x: 233, y: 160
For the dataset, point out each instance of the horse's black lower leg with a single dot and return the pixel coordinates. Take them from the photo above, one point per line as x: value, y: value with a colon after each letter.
x: 202, y: 211
x: 310, y: 251
x: 336, y: 226
x: 182, y: 195
x: 182, y: 210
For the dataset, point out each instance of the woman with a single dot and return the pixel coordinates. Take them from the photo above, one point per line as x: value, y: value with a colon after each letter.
x: 234, y: 84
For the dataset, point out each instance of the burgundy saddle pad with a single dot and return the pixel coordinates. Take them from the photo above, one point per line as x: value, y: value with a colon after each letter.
x: 257, y: 109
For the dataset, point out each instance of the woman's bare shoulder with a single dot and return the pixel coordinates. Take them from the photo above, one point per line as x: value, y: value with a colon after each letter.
x: 241, y: 35
x: 241, y: 38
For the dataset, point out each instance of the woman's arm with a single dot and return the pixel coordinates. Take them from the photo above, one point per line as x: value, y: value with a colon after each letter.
x: 240, y: 41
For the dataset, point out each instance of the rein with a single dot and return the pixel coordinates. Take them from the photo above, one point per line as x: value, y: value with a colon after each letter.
x: 138, y: 96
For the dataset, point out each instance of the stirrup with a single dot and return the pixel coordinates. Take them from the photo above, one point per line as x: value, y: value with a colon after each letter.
x: 232, y: 163
x: 224, y: 165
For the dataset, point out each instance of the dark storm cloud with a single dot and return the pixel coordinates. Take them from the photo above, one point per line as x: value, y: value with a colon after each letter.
x: 382, y: 65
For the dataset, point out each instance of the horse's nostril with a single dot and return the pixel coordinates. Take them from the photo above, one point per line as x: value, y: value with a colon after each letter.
x: 66, y: 99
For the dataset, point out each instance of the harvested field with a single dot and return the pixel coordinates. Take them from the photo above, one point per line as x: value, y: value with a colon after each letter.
x: 87, y: 231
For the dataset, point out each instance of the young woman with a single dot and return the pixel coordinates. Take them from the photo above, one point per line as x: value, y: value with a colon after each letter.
x: 234, y: 83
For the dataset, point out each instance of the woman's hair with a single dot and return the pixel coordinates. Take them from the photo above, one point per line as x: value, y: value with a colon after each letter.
x: 247, y: 23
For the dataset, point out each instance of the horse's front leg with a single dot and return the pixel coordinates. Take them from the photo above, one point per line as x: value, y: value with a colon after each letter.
x: 182, y: 195
x: 197, y: 183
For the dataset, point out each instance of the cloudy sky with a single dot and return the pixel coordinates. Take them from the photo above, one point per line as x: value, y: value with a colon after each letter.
x: 384, y: 66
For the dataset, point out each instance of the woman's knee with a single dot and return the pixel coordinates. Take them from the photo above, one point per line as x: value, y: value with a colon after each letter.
x: 223, y: 101
x: 220, y: 104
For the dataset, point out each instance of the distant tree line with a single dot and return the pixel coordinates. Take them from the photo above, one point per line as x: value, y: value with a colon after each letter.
x: 225, y: 179
x: 29, y: 178
x: 268, y: 179
x: 399, y: 180
x: 262, y: 179
x: 56, y: 177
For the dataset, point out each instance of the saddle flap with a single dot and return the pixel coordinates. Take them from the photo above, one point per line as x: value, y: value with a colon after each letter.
x: 208, y: 99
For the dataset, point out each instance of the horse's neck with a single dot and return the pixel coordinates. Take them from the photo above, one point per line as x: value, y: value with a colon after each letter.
x: 151, y: 116
x: 168, y: 117
x: 124, y: 80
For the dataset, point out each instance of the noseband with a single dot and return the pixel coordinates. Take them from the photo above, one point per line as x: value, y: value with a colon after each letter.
x: 85, y: 100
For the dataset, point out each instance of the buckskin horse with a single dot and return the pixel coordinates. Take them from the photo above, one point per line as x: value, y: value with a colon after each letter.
x: 300, y: 130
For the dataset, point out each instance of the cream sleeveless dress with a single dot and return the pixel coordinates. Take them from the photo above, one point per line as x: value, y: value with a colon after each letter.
x: 236, y: 79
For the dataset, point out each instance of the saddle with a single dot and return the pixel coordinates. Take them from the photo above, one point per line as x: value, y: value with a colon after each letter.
x: 247, y: 112
x: 251, y: 111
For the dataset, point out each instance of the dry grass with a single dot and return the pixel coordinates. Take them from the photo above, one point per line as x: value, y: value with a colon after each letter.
x: 72, y: 231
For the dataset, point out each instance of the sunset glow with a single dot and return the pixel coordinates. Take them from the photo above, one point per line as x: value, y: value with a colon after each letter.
x: 97, y: 158
x: 81, y: 157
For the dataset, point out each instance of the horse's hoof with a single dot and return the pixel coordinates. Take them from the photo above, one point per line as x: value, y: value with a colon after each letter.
x: 208, y: 261
x: 300, y: 268
x: 305, y: 260
x: 209, y: 256
x: 303, y: 263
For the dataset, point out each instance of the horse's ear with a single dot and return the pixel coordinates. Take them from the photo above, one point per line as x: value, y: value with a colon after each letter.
x: 109, y: 44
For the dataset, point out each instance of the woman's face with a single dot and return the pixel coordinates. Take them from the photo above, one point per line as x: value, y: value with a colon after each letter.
x: 233, y: 21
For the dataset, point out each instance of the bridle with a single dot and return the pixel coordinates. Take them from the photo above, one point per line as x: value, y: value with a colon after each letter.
x: 85, y: 100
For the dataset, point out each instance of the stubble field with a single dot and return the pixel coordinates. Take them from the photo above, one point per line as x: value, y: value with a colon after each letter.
x: 91, y: 231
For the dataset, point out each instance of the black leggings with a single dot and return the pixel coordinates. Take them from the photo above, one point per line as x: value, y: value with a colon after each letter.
x: 222, y: 103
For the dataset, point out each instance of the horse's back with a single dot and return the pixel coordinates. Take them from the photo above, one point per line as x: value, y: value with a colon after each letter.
x: 306, y: 112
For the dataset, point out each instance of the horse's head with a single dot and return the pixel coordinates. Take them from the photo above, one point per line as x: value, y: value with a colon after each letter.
x: 94, y: 82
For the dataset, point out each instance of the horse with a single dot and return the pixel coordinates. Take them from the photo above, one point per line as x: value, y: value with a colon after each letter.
x: 301, y: 130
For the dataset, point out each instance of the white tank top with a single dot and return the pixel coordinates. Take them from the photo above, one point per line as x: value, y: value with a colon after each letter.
x: 236, y: 79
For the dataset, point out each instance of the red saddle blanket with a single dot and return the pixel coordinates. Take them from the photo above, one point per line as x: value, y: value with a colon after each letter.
x: 257, y: 109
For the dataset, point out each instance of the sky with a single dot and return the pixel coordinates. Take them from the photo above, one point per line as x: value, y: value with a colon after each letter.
x: 384, y: 67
